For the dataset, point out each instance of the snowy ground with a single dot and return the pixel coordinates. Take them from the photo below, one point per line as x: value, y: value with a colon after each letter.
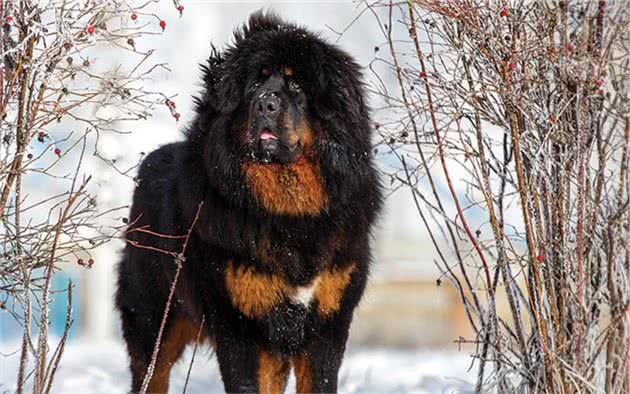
x: 89, y: 367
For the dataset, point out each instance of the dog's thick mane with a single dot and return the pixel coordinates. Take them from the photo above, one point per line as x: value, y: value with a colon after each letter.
x: 266, y: 233
x: 344, y: 146
x: 262, y: 21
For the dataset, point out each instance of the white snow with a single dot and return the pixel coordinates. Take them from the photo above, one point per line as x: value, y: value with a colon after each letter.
x: 101, y: 367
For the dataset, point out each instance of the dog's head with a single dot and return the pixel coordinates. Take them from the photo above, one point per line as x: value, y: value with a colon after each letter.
x: 279, y: 120
x: 278, y: 83
x: 285, y: 111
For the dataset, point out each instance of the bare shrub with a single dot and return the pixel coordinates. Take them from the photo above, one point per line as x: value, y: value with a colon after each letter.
x: 59, y: 95
x: 511, y: 128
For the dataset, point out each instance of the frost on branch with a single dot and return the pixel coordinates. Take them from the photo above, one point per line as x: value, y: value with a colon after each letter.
x: 71, y: 73
x: 509, y: 123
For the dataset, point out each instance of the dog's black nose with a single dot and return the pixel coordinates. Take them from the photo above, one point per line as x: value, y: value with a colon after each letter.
x: 268, y: 105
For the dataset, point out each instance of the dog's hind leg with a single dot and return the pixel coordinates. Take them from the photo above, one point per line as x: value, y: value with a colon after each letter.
x: 140, y: 326
x: 141, y: 334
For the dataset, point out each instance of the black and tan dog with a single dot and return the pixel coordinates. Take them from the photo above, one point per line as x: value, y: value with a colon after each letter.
x: 280, y: 156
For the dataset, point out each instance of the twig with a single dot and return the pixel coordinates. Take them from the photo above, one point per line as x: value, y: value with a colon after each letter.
x: 192, y: 360
x: 179, y: 262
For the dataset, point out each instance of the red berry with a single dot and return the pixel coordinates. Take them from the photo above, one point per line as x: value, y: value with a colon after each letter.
x: 9, y: 18
x: 504, y: 12
x: 163, y: 25
x: 41, y: 134
x: 540, y: 258
x: 552, y: 118
x: 176, y: 115
x: 423, y: 74
x: 171, y: 104
x: 511, y: 66
x: 134, y: 17
x: 599, y: 83
x: 569, y: 47
x: 57, y: 151
x: 80, y: 262
x: 180, y: 8
x: 90, y: 263
x: 90, y: 29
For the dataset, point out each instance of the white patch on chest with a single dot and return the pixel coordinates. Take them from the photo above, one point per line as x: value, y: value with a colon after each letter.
x: 304, y: 294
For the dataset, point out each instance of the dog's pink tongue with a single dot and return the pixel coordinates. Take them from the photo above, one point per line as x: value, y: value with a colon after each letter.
x: 267, y: 135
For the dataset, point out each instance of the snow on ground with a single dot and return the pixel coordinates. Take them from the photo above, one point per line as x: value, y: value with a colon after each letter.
x: 90, y: 368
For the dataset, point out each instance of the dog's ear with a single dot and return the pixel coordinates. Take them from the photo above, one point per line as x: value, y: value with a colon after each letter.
x: 223, y: 91
x: 340, y: 87
x: 326, y: 100
x: 228, y: 94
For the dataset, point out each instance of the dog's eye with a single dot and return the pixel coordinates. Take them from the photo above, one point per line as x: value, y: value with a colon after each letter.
x: 294, y: 86
x: 253, y: 86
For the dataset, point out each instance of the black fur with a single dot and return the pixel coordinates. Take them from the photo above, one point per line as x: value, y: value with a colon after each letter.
x: 207, y: 167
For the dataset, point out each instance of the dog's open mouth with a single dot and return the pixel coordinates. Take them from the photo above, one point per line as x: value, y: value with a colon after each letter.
x: 267, y: 134
x: 269, y: 145
x: 272, y: 146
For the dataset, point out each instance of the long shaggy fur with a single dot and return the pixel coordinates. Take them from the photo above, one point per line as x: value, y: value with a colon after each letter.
x: 241, y: 244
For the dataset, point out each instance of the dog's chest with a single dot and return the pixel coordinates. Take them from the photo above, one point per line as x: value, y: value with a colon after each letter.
x: 256, y: 294
x: 304, y: 295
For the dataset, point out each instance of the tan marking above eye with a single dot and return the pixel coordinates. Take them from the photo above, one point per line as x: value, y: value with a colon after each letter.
x: 288, y: 71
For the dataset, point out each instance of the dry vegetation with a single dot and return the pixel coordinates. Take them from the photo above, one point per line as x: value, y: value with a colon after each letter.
x: 511, y: 127
x: 60, y: 94
x: 509, y: 124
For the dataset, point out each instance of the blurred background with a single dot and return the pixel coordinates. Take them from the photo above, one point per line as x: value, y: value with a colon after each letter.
x: 403, y: 306
x: 406, y: 307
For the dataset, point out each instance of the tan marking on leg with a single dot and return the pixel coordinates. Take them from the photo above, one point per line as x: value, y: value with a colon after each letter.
x: 181, y: 333
x: 330, y: 290
x: 302, y: 371
x: 290, y: 189
x: 273, y: 372
x: 254, y: 293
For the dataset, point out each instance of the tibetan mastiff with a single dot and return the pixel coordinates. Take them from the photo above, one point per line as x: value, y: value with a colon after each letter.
x: 279, y: 157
